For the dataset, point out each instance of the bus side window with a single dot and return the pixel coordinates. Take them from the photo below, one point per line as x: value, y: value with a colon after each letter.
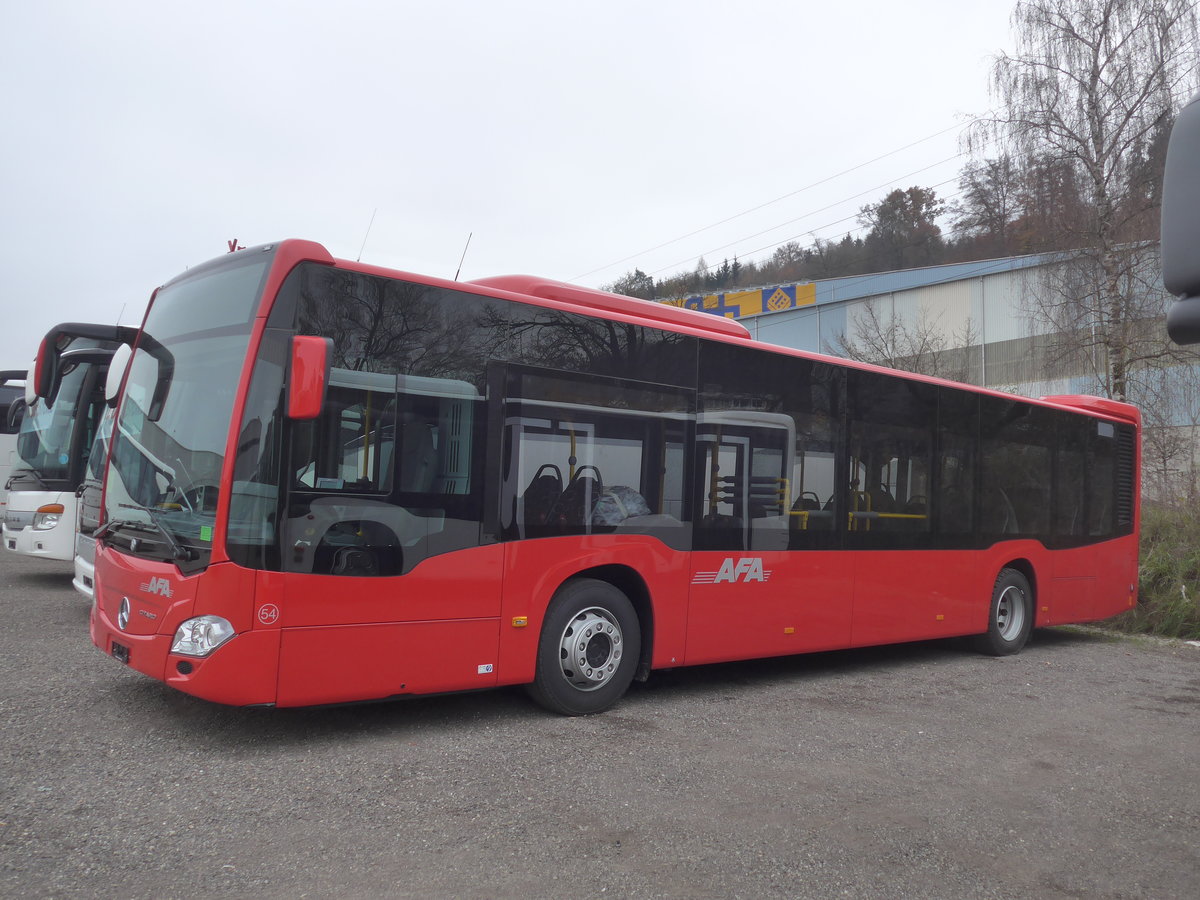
x: 956, y: 466
x: 1017, y: 459
x: 767, y: 436
x: 956, y: 491
x: 593, y: 455
x: 418, y: 457
x: 339, y: 521
x: 813, y: 474
x: 1069, y: 468
x: 542, y: 493
x: 891, y: 448
x: 350, y: 446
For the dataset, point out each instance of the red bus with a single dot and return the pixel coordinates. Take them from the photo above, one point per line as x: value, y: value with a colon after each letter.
x: 331, y: 482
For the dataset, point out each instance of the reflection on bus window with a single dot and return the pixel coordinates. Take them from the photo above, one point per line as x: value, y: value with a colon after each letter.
x: 1070, y: 464
x: 957, y: 440
x: 766, y: 452
x: 384, y: 476
x: 595, y: 455
x: 48, y: 440
x: 890, y: 454
x: 1017, y: 446
x: 351, y: 446
x: 745, y: 459
x: 889, y: 478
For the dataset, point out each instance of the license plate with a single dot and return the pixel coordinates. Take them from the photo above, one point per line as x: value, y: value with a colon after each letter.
x: 120, y: 652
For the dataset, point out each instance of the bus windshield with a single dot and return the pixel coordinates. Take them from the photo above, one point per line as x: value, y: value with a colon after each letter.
x: 164, y: 469
x: 48, y: 437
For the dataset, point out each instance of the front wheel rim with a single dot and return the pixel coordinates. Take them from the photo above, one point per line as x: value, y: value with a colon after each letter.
x: 590, y: 649
x: 1010, y: 613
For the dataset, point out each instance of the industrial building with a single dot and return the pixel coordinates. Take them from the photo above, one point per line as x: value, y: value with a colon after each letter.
x: 985, y: 314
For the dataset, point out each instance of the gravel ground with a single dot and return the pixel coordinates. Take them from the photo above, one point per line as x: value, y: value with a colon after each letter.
x: 921, y: 770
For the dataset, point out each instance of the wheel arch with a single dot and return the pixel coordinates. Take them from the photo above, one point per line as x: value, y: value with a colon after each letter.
x: 633, y: 586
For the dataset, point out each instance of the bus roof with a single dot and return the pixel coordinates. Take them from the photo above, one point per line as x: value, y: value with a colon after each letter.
x: 1102, y: 406
x: 603, y: 301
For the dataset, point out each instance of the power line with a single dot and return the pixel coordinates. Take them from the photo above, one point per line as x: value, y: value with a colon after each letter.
x: 886, y: 184
x: 953, y: 196
x: 843, y: 235
x: 959, y: 126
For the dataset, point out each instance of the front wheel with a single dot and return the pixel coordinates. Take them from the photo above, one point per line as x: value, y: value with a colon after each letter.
x: 588, y: 650
x: 1010, y: 617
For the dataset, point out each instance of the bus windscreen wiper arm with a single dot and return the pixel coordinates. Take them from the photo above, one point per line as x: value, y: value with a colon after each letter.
x: 178, y: 550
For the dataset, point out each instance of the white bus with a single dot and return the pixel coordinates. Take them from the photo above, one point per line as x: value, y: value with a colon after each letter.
x: 89, y: 495
x: 12, y: 409
x: 64, y: 405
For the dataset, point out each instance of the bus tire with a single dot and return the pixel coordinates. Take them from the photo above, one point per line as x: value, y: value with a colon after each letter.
x: 588, y: 650
x: 1010, y: 615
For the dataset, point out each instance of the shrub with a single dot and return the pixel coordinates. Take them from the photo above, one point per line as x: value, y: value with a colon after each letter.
x: 1169, y: 576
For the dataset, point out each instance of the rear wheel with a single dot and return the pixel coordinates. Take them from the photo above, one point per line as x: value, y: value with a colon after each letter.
x: 588, y: 650
x: 1010, y: 617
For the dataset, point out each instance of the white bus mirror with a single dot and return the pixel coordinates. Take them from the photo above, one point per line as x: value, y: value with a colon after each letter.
x: 116, y: 373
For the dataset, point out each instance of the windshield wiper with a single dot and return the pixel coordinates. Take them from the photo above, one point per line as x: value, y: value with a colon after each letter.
x: 178, y: 550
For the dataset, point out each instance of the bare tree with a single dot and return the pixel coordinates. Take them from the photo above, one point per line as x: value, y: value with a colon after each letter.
x: 1170, y: 402
x: 921, y: 346
x: 988, y: 209
x: 1089, y: 88
x: 1099, y: 318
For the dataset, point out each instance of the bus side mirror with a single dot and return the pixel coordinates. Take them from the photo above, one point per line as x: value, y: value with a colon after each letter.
x: 1181, y: 225
x: 44, y: 370
x: 116, y: 374
x: 309, y: 376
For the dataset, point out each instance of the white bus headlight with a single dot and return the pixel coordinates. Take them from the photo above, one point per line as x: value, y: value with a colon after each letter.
x: 201, y: 636
x: 47, y: 516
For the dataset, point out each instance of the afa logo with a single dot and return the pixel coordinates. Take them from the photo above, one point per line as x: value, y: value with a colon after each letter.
x: 744, y: 569
x: 160, y: 586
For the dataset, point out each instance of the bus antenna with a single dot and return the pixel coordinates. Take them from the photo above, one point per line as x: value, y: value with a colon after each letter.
x: 464, y: 255
x: 367, y: 235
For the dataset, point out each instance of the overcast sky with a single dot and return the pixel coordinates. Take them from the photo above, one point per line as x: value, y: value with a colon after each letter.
x: 573, y: 140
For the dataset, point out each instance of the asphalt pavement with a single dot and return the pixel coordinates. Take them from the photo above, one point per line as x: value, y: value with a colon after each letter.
x: 920, y: 771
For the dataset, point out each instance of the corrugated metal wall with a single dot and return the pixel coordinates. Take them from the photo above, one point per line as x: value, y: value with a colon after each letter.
x: 983, y: 317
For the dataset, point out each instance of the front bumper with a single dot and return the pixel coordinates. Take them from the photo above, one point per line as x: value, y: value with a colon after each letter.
x: 242, y: 672
x: 145, y: 652
x: 52, y: 543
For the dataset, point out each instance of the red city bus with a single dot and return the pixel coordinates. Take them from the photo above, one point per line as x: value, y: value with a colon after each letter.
x: 330, y: 482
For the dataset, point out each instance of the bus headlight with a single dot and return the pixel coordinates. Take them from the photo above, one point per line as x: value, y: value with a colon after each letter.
x: 47, y: 516
x: 201, y: 636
